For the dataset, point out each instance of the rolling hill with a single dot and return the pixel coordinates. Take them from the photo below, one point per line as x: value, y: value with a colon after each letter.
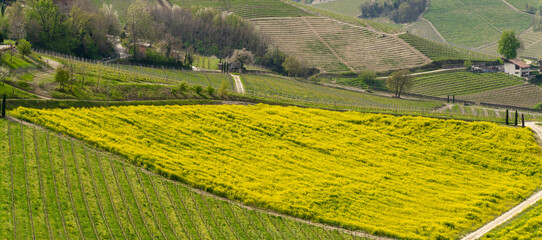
x: 473, y: 23
x: 334, y: 46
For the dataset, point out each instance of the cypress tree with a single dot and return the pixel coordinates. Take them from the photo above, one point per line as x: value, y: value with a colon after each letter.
x: 507, y: 115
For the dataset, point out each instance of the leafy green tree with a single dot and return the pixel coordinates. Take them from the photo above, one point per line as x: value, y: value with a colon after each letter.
x: 468, y: 65
x: 138, y: 24
x: 62, y: 76
x: 24, y: 47
x: 399, y: 81
x: 223, y: 90
x: 210, y: 90
x: 508, y: 45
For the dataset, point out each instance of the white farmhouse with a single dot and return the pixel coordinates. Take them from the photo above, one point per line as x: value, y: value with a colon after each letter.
x: 517, y: 67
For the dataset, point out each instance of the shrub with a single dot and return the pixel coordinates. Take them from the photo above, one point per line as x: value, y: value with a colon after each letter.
x: 198, y: 89
x: 223, y: 90
x: 210, y: 90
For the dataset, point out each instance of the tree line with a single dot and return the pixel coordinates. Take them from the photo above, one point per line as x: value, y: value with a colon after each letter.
x: 153, y: 34
x: 400, y: 11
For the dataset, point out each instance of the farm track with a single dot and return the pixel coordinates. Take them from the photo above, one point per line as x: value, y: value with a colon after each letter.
x: 514, y: 211
x: 239, y: 88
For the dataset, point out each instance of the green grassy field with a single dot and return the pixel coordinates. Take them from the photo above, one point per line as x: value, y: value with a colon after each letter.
x: 133, y: 82
x: 462, y: 83
x: 346, y: 7
x: 16, y: 62
x: 375, y: 25
x: 527, y: 225
x: 472, y: 23
x: 438, y: 51
x: 248, y: 8
x: 58, y: 188
x: 286, y: 88
x: 520, y: 4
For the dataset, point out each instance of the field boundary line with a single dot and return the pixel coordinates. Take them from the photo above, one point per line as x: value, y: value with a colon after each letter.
x: 514, y: 211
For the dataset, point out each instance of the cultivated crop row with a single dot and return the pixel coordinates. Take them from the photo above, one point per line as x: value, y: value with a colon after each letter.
x: 297, y: 171
x: 81, y: 193
x: 525, y: 96
x: 438, y: 51
x: 248, y: 8
x: 475, y: 23
x: 334, y: 46
x: 461, y: 83
x: 139, y: 73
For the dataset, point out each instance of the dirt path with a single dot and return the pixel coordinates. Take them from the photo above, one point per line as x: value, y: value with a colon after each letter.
x: 514, y: 211
x: 511, y: 6
x: 54, y: 64
x: 239, y: 88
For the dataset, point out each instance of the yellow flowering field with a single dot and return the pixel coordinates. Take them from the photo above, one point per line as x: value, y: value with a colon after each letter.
x: 405, y: 177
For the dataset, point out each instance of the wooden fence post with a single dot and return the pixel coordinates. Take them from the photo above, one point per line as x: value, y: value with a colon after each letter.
x: 516, y: 119
x: 4, y: 106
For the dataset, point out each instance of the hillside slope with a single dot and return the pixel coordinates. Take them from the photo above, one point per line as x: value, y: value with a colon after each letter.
x: 334, y: 46
x: 473, y: 23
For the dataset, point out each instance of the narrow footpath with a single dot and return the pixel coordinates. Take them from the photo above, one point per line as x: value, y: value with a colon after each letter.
x: 514, y: 211
x: 239, y: 88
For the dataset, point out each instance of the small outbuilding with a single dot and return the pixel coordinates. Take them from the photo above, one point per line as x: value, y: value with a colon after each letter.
x: 517, y: 67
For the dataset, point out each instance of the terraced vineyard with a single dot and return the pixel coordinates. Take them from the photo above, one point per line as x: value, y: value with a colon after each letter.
x: 473, y: 23
x: 335, y: 47
x: 55, y: 187
x: 526, y: 96
x: 405, y: 177
x: 531, y: 45
x: 248, y: 8
x: 438, y: 51
x: 462, y: 83
x: 274, y: 86
x: 528, y: 225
